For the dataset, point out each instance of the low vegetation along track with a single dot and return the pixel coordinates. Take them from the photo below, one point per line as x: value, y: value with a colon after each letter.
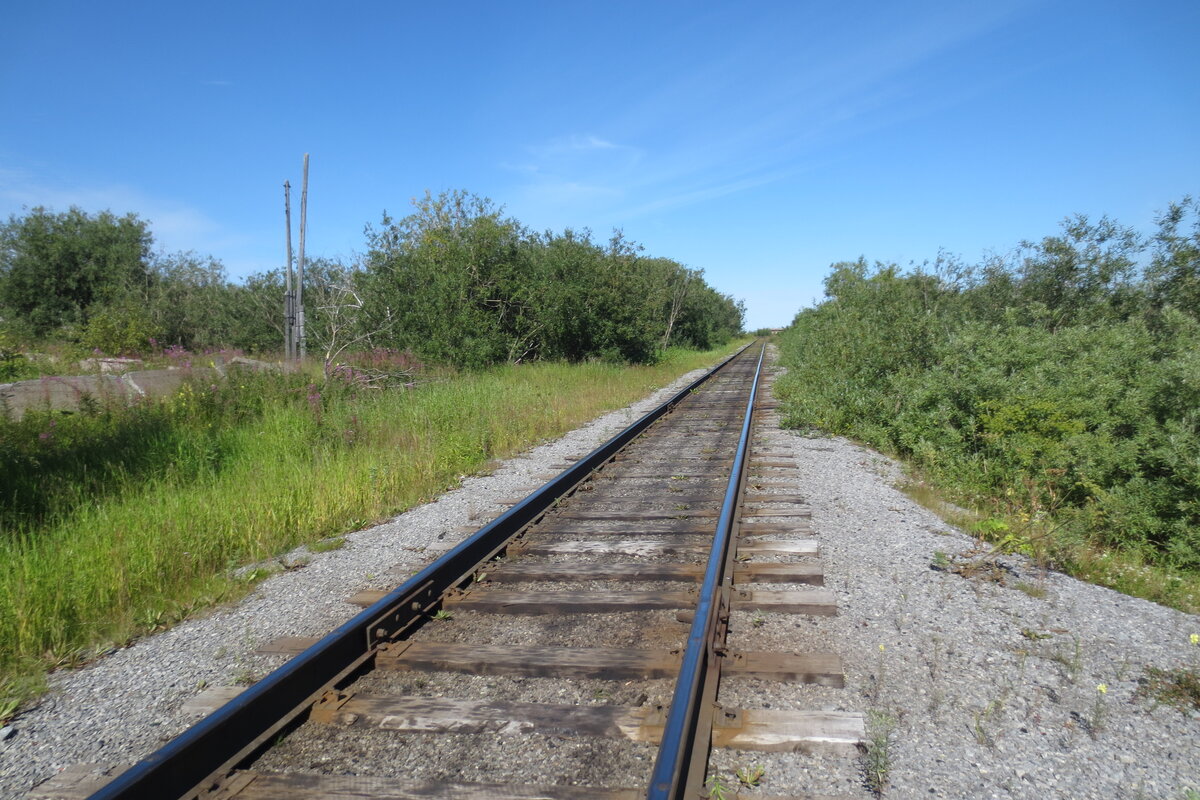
x: 574, y: 647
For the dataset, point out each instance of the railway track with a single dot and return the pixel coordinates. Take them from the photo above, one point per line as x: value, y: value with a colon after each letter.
x: 574, y: 647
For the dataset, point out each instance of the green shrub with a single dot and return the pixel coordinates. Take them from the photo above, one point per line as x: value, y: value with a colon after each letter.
x: 121, y: 329
x: 1057, y: 386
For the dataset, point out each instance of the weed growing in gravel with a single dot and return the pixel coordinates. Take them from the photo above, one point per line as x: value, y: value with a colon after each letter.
x: 751, y: 776
x: 1179, y: 687
x: 1032, y: 589
x: 758, y: 620
x: 244, y: 676
x: 326, y: 545
x: 981, y: 719
x: 933, y: 662
x: 1071, y: 660
x: 258, y: 573
x: 443, y: 614
x: 978, y: 563
x: 1095, y: 722
x: 880, y: 676
x: 716, y: 788
x: 877, y: 762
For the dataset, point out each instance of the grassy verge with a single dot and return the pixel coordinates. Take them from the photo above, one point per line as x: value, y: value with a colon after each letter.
x: 144, y: 511
x: 1048, y: 542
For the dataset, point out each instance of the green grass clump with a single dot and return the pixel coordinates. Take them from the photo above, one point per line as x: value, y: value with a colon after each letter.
x: 1179, y: 687
x: 877, y: 760
x: 116, y: 522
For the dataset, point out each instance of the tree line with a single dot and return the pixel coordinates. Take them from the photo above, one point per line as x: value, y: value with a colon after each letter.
x: 455, y: 282
x: 1059, y: 382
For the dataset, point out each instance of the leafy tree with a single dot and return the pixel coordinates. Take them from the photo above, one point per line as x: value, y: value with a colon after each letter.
x: 1083, y: 274
x: 455, y: 282
x: 1173, y: 276
x: 450, y: 281
x: 189, y: 299
x: 55, y: 267
x: 123, y: 328
x: 257, y: 307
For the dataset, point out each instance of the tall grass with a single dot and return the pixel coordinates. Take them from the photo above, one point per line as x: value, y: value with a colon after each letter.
x: 119, y: 521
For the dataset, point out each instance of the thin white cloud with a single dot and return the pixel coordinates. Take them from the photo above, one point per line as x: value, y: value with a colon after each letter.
x: 175, y: 225
x: 573, y: 145
x: 709, y: 191
x: 529, y: 169
x: 592, y: 143
x: 754, y: 115
x: 556, y: 192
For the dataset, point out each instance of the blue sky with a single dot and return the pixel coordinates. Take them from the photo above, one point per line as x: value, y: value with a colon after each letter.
x: 759, y: 141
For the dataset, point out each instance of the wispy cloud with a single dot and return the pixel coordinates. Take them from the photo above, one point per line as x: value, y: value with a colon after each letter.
x: 580, y: 152
x: 762, y: 111
x: 577, y: 143
x: 175, y: 225
x: 581, y: 170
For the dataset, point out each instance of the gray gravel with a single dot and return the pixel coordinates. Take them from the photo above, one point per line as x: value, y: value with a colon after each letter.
x: 125, y: 706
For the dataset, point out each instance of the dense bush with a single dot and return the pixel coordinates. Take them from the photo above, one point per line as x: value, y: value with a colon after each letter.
x: 1060, y: 382
x: 455, y: 282
x: 54, y: 267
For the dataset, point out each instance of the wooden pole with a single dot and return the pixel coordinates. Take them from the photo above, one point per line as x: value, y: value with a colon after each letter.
x: 300, y: 272
x: 289, y: 312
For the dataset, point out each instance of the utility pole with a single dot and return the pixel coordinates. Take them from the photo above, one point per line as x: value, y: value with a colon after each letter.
x: 289, y: 311
x: 300, y: 271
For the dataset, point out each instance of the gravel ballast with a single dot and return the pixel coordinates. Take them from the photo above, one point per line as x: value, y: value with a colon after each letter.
x: 992, y: 688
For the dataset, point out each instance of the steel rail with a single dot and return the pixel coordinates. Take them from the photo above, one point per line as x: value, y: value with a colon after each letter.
x: 668, y: 781
x: 197, y: 759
